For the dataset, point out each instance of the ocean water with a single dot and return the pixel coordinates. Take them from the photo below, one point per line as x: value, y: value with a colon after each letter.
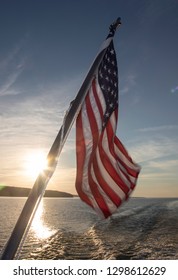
x: 65, y: 228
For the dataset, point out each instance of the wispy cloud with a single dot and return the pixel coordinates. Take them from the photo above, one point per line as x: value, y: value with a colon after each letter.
x: 158, y: 128
x: 34, y: 122
x: 6, y: 61
x: 127, y: 84
x: 6, y: 87
x: 150, y: 174
x: 161, y: 176
x: 159, y: 160
x: 164, y: 165
x: 11, y: 67
x: 147, y: 150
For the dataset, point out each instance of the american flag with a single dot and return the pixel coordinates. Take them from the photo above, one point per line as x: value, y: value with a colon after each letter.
x: 106, y: 174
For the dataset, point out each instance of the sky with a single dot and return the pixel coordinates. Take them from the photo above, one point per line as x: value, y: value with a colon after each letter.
x: 46, y: 48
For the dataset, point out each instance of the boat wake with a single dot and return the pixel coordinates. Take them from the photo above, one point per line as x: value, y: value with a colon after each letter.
x: 144, y: 232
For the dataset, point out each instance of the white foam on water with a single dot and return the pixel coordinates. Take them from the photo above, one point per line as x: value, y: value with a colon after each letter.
x: 172, y: 204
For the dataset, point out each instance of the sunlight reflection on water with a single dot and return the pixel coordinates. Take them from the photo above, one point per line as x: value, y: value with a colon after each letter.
x: 38, y: 226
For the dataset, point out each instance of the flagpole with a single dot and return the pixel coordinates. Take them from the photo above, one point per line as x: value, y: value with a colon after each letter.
x: 25, y: 219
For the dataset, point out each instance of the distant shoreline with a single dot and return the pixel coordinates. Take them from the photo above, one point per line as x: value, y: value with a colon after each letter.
x: 9, y: 191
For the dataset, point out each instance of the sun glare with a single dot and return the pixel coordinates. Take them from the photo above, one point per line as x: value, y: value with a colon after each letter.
x: 35, y: 162
x: 41, y: 230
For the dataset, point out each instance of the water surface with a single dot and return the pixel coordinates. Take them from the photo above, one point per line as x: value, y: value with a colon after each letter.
x: 65, y: 228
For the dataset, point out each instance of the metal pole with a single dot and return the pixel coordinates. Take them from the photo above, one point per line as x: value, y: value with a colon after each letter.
x: 34, y: 198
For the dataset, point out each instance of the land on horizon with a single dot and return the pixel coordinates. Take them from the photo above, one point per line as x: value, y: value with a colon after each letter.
x: 11, y: 191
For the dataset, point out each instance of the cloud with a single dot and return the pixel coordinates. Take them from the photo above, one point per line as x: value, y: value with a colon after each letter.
x: 6, y: 61
x: 11, y: 68
x: 128, y: 83
x: 34, y: 121
x: 158, y: 128
x: 6, y: 87
x: 159, y: 177
x: 158, y: 158
x: 164, y: 165
x: 147, y: 150
x: 128, y: 86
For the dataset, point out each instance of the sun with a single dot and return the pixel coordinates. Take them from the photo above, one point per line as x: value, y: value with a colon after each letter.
x: 35, y: 162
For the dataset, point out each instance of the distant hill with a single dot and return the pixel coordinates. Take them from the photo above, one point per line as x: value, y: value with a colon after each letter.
x: 24, y: 192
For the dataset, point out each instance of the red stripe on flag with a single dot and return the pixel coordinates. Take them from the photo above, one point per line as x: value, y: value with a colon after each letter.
x: 95, y: 135
x: 135, y: 168
x: 97, y: 98
x: 110, y: 169
x: 81, y: 154
x: 104, y: 185
x: 125, y: 170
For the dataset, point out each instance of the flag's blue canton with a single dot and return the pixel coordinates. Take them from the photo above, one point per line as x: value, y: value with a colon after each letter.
x: 108, y: 81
